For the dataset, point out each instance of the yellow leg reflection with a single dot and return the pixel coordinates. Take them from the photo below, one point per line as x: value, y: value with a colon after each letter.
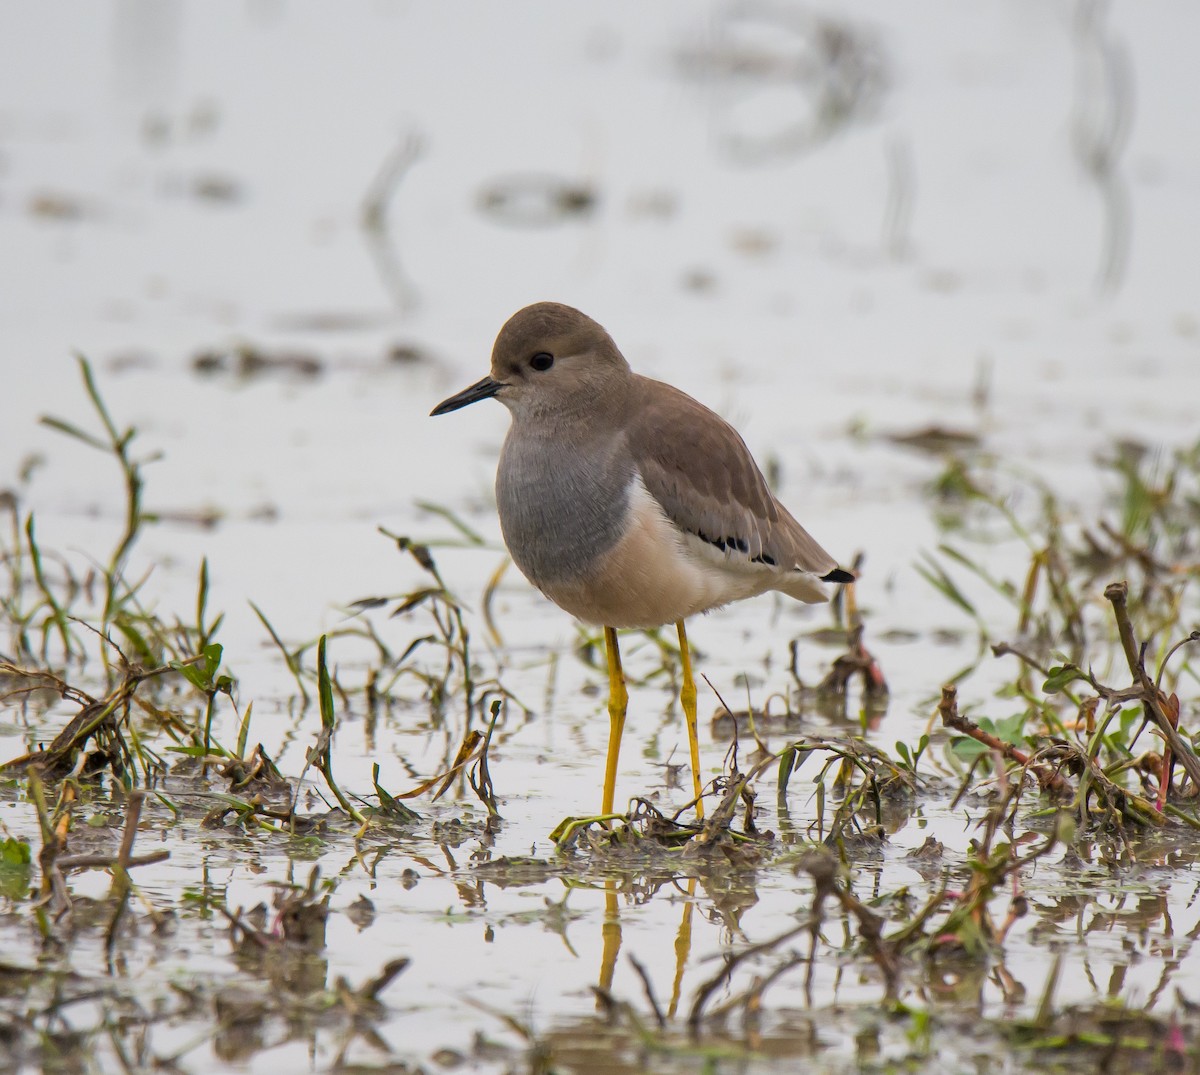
x: 610, y: 933
x: 687, y: 697
x: 618, y: 699
x: 683, y: 946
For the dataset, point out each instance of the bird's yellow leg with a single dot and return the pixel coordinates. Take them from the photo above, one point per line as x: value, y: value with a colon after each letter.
x: 618, y: 699
x: 687, y: 697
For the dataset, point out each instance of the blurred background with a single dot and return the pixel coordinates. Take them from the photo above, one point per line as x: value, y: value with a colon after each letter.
x: 282, y: 231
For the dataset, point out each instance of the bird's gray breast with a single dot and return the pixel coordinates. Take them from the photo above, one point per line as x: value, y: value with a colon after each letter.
x: 562, y: 501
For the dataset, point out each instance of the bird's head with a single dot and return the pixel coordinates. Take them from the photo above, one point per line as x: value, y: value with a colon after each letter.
x: 549, y: 360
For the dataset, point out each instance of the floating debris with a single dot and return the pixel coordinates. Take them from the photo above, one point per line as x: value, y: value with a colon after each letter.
x: 936, y: 439
x: 249, y: 361
x: 537, y: 201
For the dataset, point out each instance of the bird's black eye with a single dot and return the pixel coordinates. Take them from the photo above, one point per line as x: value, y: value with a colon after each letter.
x: 542, y: 361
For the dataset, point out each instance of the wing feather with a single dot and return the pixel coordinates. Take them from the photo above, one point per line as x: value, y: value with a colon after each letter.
x: 696, y: 465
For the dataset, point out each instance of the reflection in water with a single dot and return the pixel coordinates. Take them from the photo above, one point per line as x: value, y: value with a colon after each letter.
x: 611, y: 948
x: 683, y: 946
x: 610, y: 930
x: 783, y: 80
x: 378, y: 229
x: 1102, y: 121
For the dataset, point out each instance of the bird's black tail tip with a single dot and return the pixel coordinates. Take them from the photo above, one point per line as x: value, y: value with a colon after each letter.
x: 838, y: 575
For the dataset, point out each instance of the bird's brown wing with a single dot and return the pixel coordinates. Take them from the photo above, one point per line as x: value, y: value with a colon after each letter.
x: 696, y: 465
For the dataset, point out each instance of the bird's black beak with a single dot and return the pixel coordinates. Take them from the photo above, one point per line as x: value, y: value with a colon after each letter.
x: 484, y: 389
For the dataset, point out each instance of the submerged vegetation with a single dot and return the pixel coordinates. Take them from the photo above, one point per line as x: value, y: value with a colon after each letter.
x: 1067, y: 748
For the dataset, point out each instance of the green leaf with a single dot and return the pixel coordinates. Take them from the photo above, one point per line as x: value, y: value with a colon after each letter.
x: 15, y: 852
x: 966, y: 748
x: 787, y: 761
x: 200, y: 673
x: 74, y: 431
x: 472, y: 535
x: 389, y: 804
x: 212, y: 659
x: 933, y: 573
x: 192, y: 673
x: 244, y: 731
x: 15, y: 868
x: 190, y: 752
x: 324, y: 687
x: 1011, y: 729
x: 1060, y: 675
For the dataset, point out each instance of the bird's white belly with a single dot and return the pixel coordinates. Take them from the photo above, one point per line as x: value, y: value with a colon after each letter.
x: 656, y: 574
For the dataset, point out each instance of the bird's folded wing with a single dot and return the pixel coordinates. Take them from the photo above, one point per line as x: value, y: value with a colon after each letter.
x: 696, y: 465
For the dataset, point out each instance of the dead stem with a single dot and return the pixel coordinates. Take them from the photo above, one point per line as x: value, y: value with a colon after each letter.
x: 108, y: 862
x: 480, y: 777
x: 856, y: 661
x: 1153, y: 699
x: 952, y: 719
x: 103, y: 715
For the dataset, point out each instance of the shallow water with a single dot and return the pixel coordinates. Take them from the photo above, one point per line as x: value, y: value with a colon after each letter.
x: 827, y: 245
